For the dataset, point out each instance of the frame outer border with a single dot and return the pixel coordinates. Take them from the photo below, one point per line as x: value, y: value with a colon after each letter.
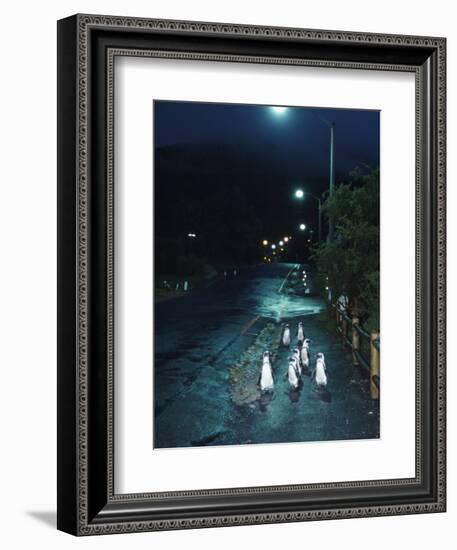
x: 83, y: 23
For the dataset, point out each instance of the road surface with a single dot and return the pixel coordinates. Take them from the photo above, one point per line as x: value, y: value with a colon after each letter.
x: 200, y: 337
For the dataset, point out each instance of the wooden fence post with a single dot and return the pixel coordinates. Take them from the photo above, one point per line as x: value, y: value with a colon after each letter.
x: 355, y: 341
x: 374, y: 366
x: 344, y: 325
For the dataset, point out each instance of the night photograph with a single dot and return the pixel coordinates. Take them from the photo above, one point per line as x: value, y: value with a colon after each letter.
x: 266, y: 274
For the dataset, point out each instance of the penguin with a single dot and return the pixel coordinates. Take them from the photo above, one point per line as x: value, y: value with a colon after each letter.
x: 286, y: 336
x: 304, y: 353
x: 266, y: 381
x: 320, y: 371
x: 292, y: 373
x: 300, y: 333
x: 297, y: 361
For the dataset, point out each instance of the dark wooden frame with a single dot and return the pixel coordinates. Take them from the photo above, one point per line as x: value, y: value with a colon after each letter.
x: 87, y: 46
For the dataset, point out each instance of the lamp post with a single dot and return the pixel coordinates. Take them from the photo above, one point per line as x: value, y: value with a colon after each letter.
x: 332, y: 179
x: 331, y: 184
x: 191, y: 237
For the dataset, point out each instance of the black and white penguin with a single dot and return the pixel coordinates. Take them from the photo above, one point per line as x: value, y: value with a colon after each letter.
x: 304, y: 353
x: 292, y: 373
x: 297, y: 361
x: 300, y: 333
x: 266, y: 381
x: 285, y: 340
x: 320, y: 371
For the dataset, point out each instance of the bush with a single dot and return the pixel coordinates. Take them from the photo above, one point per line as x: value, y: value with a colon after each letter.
x: 351, y: 261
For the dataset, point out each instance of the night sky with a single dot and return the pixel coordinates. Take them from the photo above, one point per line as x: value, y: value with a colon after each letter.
x: 229, y: 171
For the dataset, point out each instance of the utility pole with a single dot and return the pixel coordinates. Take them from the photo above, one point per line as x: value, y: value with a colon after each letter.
x: 332, y: 179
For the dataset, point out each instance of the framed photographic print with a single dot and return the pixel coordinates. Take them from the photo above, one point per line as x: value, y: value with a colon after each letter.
x: 247, y: 215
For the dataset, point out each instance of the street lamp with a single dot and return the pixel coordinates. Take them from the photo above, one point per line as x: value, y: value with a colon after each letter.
x: 273, y: 246
x: 286, y: 239
x: 300, y: 194
x: 281, y: 243
x: 265, y: 242
x: 302, y: 227
x: 191, y: 236
x: 279, y: 110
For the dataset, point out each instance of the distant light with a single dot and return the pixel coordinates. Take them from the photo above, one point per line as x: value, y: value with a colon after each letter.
x: 274, y: 253
x: 273, y: 246
x: 286, y: 239
x: 302, y: 227
x: 192, y: 235
x: 279, y: 110
x: 265, y: 242
x: 281, y: 243
x: 326, y: 288
x: 299, y: 193
x: 282, y: 249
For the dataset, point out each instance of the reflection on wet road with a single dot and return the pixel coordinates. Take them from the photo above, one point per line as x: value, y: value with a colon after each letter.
x: 200, y: 337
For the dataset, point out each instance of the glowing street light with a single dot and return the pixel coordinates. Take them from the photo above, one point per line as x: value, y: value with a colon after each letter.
x: 273, y: 246
x: 302, y: 227
x: 279, y: 110
x: 286, y: 239
x: 299, y: 193
x: 265, y: 242
x: 191, y: 235
x: 281, y: 243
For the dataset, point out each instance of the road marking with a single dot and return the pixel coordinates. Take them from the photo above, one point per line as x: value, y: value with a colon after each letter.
x: 286, y: 277
x: 249, y: 325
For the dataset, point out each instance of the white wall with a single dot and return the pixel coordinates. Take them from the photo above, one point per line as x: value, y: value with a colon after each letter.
x: 28, y: 281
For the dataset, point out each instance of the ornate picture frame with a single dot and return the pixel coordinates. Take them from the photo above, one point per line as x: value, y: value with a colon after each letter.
x: 87, y: 501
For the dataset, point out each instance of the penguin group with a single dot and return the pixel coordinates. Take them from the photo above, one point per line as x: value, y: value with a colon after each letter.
x: 298, y: 363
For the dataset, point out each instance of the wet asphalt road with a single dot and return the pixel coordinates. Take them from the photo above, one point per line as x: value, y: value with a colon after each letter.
x: 200, y: 337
